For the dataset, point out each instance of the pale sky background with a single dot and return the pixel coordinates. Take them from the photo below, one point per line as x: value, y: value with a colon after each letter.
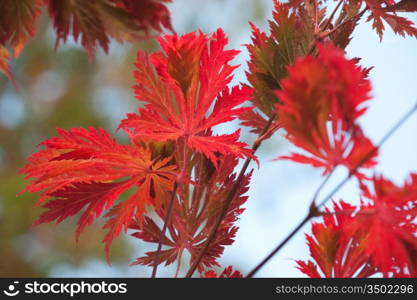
x: 281, y: 191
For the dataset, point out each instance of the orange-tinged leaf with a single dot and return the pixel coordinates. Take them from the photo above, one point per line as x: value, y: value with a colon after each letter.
x: 86, y: 169
x: 4, y: 62
x: 17, y: 23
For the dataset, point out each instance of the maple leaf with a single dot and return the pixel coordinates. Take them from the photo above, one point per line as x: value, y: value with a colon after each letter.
x: 291, y: 34
x: 95, y: 21
x: 184, y: 88
x: 334, y: 254
x: 17, y: 25
x: 321, y: 99
x: 399, y: 25
x: 386, y: 219
x: 18, y: 20
x: 191, y: 223
x: 226, y: 273
x: 148, y: 14
x: 87, y: 169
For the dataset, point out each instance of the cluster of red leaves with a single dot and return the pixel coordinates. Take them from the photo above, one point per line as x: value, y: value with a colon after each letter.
x: 193, y: 221
x: 185, y: 92
x: 317, y: 95
x: 93, y: 22
x: 309, y: 89
x: 320, y: 102
x: 379, y: 235
x: 380, y: 11
x: 292, y: 33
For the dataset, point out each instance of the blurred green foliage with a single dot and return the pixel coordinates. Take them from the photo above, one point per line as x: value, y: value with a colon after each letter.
x: 55, y: 89
x: 62, y: 89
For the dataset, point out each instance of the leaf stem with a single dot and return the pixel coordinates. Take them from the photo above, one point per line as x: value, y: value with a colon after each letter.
x: 264, y: 134
x: 313, y: 206
x: 310, y: 214
x: 170, y: 209
x: 329, y: 20
x: 357, y: 16
x: 164, y: 229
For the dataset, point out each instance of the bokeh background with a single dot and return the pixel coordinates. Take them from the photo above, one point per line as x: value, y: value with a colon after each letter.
x: 61, y: 89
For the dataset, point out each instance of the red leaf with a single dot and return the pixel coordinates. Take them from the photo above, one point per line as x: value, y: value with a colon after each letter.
x: 387, y: 220
x: 83, y: 169
x: 186, y: 94
x: 227, y: 273
x: 95, y: 196
x: 385, y: 11
x: 95, y: 21
x: 147, y: 14
x: 320, y: 102
x: 335, y: 254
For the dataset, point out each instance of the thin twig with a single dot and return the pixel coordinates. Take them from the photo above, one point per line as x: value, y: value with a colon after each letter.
x: 357, y: 16
x: 164, y: 229
x: 323, y: 34
x: 169, y: 211
x: 265, y: 132
x: 329, y: 20
x: 335, y: 190
x: 313, y: 205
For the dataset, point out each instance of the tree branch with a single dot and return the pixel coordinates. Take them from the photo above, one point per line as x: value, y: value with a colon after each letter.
x: 310, y: 214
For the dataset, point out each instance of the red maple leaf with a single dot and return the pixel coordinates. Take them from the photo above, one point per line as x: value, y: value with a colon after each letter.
x: 333, y: 253
x: 185, y: 91
x: 87, y: 169
x: 226, y: 273
x: 385, y: 10
x: 147, y: 14
x: 387, y: 220
x: 95, y: 21
x: 321, y: 99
